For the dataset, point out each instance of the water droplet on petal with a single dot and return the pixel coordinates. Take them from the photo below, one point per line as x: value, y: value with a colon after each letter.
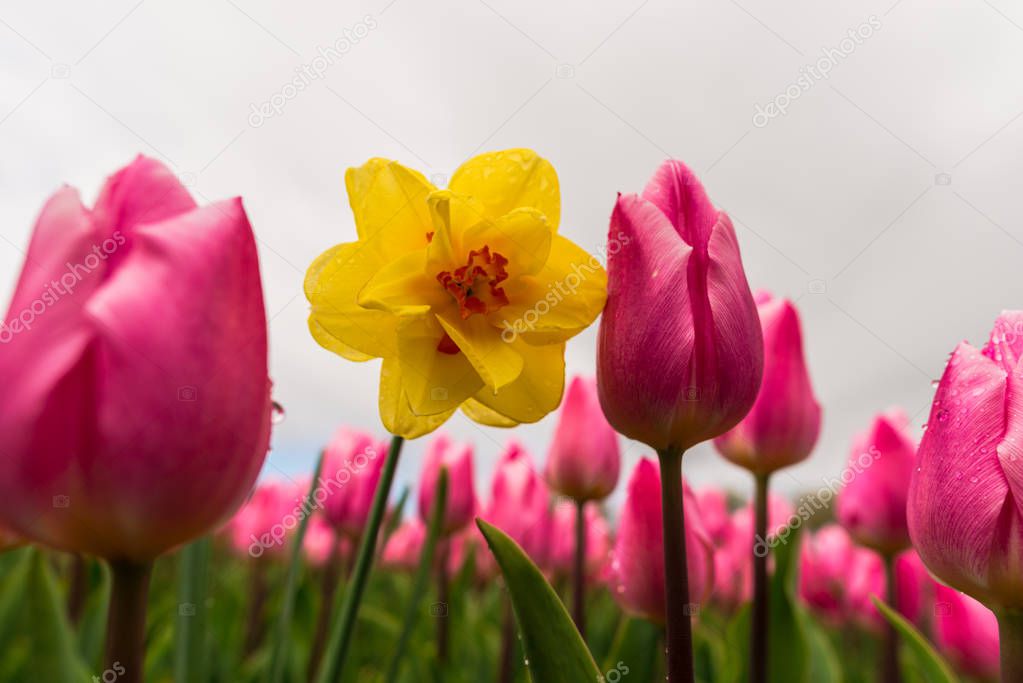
x: 277, y: 413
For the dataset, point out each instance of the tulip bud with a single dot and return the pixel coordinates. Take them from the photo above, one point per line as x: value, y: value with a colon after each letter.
x: 404, y: 546
x: 782, y: 427
x: 520, y: 502
x: 966, y: 632
x: 562, y: 544
x: 680, y: 353
x: 733, y: 563
x: 872, y: 505
x: 135, y: 411
x: 262, y: 525
x: 837, y: 578
x: 637, y: 560
x: 584, y: 458
x: 460, y: 506
x: 352, y: 464
x: 321, y: 541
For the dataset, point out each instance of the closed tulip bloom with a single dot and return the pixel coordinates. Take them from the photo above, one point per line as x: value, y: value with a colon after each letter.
x: 964, y: 514
x: 637, y: 560
x: 262, y: 525
x: 584, y: 458
x: 680, y: 353
x: 321, y: 540
x: 562, y: 543
x: 733, y: 557
x: 520, y: 502
x: 135, y: 411
x: 837, y: 578
x: 460, y: 506
x: 872, y: 505
x: 782, y: 427
x: 967, y: 633
x: 405, y: 545
x: 352, y: 463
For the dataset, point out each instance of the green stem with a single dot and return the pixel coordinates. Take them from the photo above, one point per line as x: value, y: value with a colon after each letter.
x: 189, y: 634
x: 126, y: 621
x: 759, y: 632
x: 331, y: 576
x: 341, y: 634
x: 441, y: 569
x: 890, y: 651
x: 679, y: 637
x: 579, y: 570
x: 78, y: 588
x: 1010, y: 636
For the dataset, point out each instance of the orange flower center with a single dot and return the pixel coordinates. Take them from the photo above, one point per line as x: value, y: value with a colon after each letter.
x: 476, y: 288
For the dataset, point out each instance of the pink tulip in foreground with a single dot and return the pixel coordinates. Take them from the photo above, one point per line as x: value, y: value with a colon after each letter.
x: 964, y: 499
x: 584, y: 458
x: 352, y: 463
x: 679, y: 353
x: 966, y: 632
x: 460, y: 506
x: 135, y: 412
x: 637, y: 561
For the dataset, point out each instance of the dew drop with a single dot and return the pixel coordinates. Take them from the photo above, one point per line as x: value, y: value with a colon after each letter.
x: 942, y: 415
x: 973, y: 480
x: 277, y: 413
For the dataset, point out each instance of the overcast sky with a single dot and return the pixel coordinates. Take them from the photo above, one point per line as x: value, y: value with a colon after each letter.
x: 885, y: 199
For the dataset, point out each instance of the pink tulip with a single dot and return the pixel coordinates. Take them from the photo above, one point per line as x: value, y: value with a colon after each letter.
x: 680, y: 353
x: 637, y: 560
x: 965, y: 495
x: 782, y: 427
x: 405, y: 546
x: 262, y: 526
x: 321, y: 541
x: 872, y: 505
x: 733, y: 555
x: 584, y: 458
x: 460, y: 506
x: 562, y: 541
x: 520, y: 502
x: 914, y: 588
x: 135, y: 411
x: 966, y: 632
x: 352, y: 464
x: 837, y: 578
x: 717, y: 520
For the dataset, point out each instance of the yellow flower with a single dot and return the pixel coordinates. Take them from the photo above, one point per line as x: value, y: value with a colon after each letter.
x: 468, y: 294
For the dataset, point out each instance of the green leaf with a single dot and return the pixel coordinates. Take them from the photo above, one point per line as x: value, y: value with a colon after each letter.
x: 824, y: 664
x: 924, y: 659
x: 634, y: 648
x: 93, y: 624
x: 555, y: 652
x: 190, y: 627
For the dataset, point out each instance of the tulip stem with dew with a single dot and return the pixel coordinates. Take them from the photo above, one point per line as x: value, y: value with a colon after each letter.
x: 679, y: 627
x: 758, y: 632
x: 331, y: 576
x: 441, y: 569
x: 126, y: 620
x: 1010, y: 643
x: 890, y: 651
x: 341, y: 634
x: 579, y: 570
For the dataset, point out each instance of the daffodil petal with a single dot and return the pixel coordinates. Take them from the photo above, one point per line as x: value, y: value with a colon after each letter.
x: 395, y: 411
x: 562, y: 300
x: 496, y: 361
x: 523, y: 237
x: 477, y: 412
x: 507, y: 180
x: 388, y: 201
x: 451, y: 215
x: 332, y: 343
x: 538, y: 389
x: 332, y: 286
x: 434, y: 382
x: 403, y: 286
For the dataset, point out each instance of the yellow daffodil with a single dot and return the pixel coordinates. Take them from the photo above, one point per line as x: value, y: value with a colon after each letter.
x: 468, y: 294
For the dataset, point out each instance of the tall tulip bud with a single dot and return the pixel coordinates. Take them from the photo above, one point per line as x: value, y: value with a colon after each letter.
x: 637, y: 560
x: 680, y: 353
x: 520, y: 502
x: 135, y: 411
x: 964, y: 500
x: 352, y: 464
x: 782, y: 427
x: 584, y: 459
x: 872, y: 506
x: 460, y: 506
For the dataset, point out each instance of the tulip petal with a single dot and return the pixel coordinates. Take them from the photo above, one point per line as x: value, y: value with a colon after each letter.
x: 1005, y: 345
x: 506, y: 180
x: 496, y: 361
x: 143, y: 192
x: 434, y: 382
x: 680, y: 196
x: 537, y: 391
x: 395, y: 411
x: 388, y: 201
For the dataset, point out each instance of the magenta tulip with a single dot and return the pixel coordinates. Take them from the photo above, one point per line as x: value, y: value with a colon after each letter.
x: 352, y: 463
x: 737, y: 546
x: 460, y: 506
x: 520, y: 502
x: 637, y: 560
x: 680, y: 353
x: 321, y: 543
x: 404, y: 546
x: 782, y: 427
x: 872, y: 505
x: 837, y: 578
x: 562, y: 545
x: 262, y: 525
x: 966, y: 632
x: 135, y: 411
x: 584, y: 459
